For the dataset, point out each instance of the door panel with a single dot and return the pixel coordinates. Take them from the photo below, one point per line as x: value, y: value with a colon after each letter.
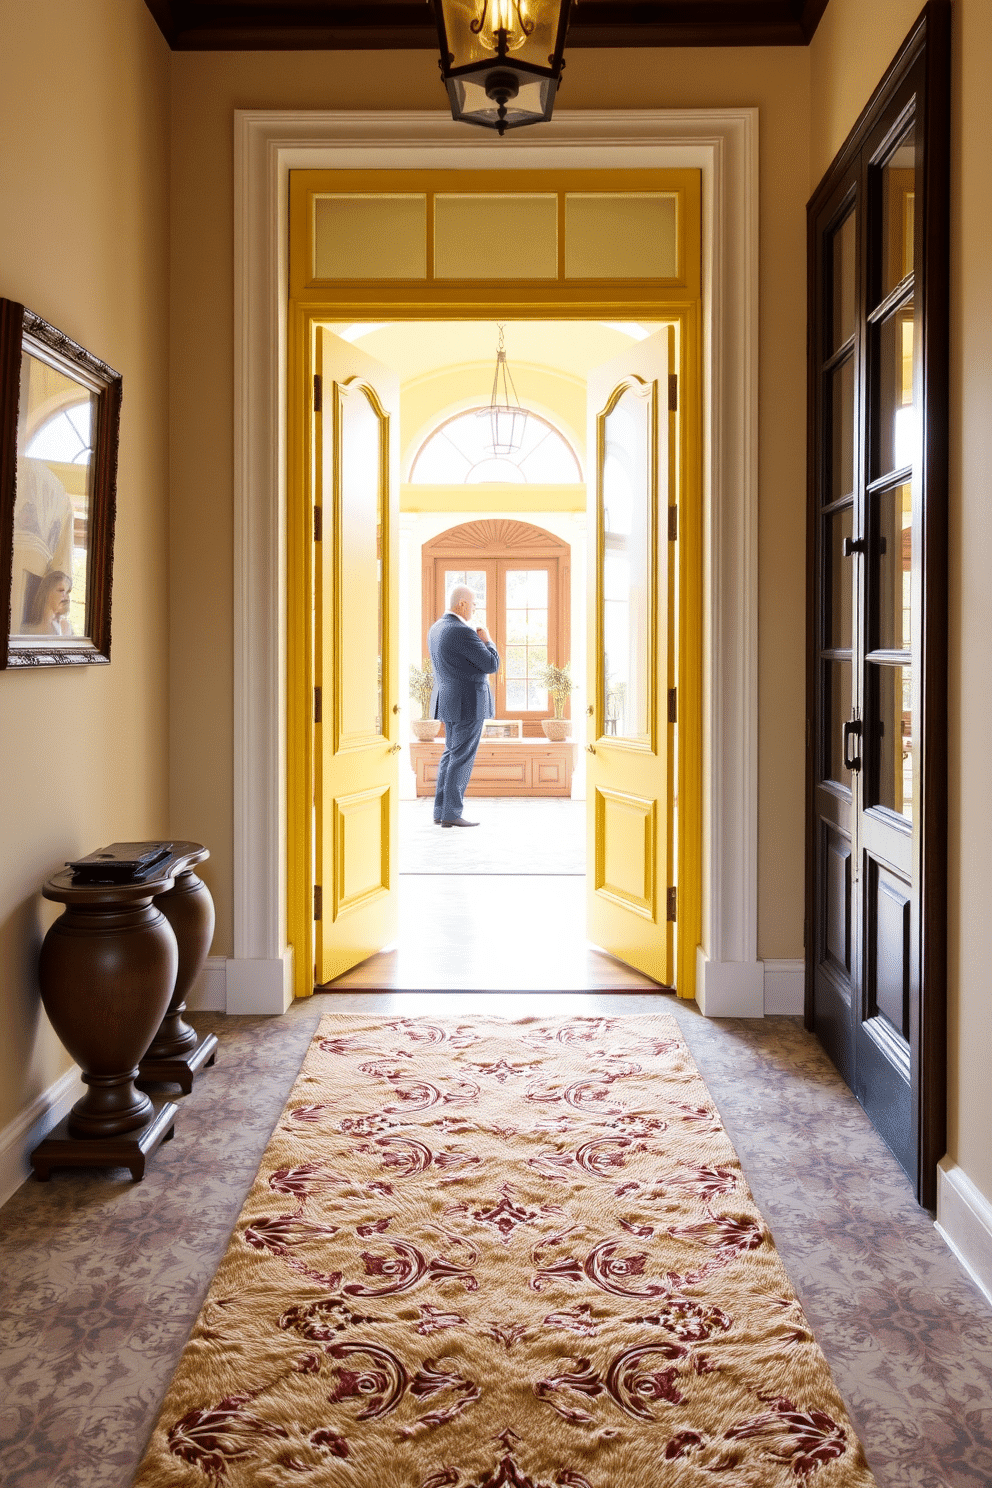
x: 837, y: 901
x: 631, y: 659
x: 357, y: 774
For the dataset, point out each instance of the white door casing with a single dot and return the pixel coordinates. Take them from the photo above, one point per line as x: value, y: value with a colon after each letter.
x: 723, y: 145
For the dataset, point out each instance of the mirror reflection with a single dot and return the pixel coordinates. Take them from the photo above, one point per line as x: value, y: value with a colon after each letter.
x: 55, y: 433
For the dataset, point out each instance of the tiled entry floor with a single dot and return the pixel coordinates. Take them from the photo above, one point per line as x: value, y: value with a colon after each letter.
x: 494, y: 933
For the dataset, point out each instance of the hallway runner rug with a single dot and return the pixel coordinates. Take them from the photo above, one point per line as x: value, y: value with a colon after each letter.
x: 491, y: 1254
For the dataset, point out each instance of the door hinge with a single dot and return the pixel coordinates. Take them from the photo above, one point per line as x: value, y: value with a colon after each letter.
x: 317, y: 705
x: 673, y: 903
x: 318, y: 392
x: 673, y: 523
x: 318, y: 902
x: 318, y: 524
x: 673, y: 392
x: 673, y: 705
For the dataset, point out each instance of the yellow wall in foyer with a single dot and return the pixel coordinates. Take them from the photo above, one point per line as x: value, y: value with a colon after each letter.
x: 84, y: 242
x: 207, y: 87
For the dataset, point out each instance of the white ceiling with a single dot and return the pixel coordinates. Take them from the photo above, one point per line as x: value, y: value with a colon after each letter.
x: 415, y: 348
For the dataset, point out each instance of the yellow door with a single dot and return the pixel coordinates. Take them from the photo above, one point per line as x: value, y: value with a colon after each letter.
x: 630, y: 739
x: 355, y: 663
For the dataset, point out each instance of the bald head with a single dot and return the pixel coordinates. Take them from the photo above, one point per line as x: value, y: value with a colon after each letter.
x: 462, y: 601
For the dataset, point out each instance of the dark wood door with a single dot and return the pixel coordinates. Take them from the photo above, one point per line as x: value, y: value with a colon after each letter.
x: 877, y: 645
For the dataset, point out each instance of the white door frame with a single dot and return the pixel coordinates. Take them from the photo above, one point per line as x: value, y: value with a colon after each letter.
x: 723, y: 144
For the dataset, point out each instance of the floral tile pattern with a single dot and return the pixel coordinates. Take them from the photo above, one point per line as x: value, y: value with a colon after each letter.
x: 101, y: 1280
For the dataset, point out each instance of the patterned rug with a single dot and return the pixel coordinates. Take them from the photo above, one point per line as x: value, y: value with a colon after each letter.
x: 501, y: 1255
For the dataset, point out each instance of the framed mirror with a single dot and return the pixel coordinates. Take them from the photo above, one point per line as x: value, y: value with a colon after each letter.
x: 59, y: 429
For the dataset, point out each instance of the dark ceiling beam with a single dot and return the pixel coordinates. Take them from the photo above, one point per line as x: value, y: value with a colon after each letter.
x: 317, y: 25
x: 162, y: 11
x: 811, y: 16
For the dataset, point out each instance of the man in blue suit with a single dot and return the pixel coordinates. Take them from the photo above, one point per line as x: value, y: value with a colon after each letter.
x: 462, y: 656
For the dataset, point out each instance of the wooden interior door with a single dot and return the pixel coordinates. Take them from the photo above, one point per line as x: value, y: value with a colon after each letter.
x: 631, y: 668
x: 356, y: 647
x: 876, y: 915
x: 521, y: 577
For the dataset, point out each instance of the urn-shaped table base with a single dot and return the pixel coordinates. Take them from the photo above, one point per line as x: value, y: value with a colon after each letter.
x: 177, y: 1053
x: 114, y: 972
x: 107, y: 970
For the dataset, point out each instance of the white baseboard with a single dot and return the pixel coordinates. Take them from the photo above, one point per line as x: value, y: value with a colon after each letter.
x: 729, y: 989
x: 20, y: 1136
x: 964, y: 1219
x: 260, y: 986
x: 785, y: 987
x: 209, y: 994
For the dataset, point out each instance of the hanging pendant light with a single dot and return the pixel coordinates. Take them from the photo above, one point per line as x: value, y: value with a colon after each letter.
x: 501, y: 60
x: 507, y: 419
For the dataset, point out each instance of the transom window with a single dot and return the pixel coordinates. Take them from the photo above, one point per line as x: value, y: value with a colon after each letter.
x: 460, y: 452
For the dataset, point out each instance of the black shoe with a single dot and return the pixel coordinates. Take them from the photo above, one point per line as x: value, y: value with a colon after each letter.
x: 459, y: 821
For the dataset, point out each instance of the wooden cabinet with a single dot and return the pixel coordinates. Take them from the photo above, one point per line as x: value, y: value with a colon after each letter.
x: 504, y: 767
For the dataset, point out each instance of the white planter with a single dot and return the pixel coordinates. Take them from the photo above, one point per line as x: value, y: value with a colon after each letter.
x: 425, y: 728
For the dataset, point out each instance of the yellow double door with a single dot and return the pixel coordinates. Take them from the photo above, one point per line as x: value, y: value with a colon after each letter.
x: 632, y: 723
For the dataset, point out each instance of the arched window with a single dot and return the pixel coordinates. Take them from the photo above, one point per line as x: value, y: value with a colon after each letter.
x: 66, y: 437
x: 460, y: 452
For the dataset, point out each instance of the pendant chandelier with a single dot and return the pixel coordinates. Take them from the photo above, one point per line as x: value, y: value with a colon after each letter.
x: 507, y: 419
x: 501, y: 60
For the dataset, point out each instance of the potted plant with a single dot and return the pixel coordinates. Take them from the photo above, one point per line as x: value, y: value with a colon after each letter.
x: 561, y: 684
x: 421, y: 687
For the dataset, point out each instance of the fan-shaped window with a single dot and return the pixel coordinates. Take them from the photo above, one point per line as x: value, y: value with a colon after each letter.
x: 460, y: 452
x: 65, y: 437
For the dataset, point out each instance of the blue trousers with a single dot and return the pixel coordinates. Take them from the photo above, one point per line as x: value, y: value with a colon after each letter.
x: 461, y: 740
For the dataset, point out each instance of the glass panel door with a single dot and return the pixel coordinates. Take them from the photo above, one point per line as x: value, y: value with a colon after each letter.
x: 525, y: 595
x: 876, y: 784
x: 627, y: 521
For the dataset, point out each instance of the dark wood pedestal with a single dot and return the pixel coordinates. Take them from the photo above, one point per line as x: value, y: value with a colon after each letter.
x: 128, y: 1150
x: 111, y: 986
x: 177, y: 1053
x: 179, y: 1069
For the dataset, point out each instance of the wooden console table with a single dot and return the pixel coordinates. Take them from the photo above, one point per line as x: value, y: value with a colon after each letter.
x: 114, y: 971
x: 504, y: 767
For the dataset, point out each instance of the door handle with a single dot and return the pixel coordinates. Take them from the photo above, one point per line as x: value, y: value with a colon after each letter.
x: 852, y: 730
x: 396, y: 749
x: 396, y: 707
x: 853, y: 545
x: 590, y: 749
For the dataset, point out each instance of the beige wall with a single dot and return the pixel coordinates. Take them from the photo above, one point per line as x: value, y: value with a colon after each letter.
x: 849, y: 54
x: 84, y: 242
x: 970, y: 695
x: 207, y: 87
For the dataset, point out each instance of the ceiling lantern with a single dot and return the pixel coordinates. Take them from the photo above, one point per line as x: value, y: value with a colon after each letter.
x: 501, y: 60
x: 507, y: 418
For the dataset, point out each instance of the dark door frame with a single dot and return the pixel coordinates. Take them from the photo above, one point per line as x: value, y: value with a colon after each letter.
x: 927, y: 50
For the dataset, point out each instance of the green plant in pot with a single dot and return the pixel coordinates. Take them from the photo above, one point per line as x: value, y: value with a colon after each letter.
x: 421, y: 687
x: 560, y: 684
